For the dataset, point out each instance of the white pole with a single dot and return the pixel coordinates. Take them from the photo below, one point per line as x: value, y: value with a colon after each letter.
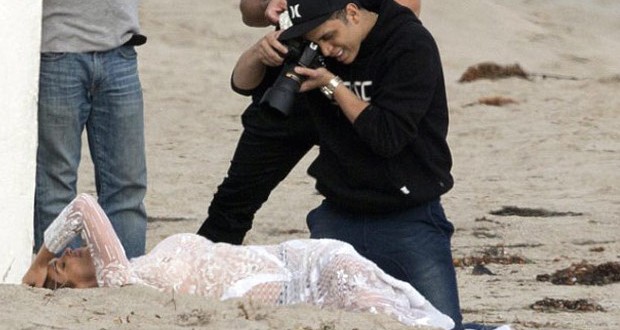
x: 20, y: 32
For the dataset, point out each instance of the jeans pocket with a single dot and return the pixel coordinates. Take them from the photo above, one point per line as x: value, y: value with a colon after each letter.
x: 52, y: 56
x: 128, y: 52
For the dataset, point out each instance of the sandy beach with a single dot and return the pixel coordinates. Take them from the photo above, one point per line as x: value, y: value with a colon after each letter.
x: 537, y: 179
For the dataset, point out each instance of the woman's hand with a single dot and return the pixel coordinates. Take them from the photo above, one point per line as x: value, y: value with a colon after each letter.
x: 315, y: 78
x: 37, y: 273
x: 35, y: 276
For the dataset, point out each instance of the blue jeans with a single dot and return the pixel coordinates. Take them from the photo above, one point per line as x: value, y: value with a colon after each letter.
x: 99, y: 91
x: 412, y: 245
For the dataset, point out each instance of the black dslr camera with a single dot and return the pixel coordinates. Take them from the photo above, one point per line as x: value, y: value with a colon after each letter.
x: 281, y: 94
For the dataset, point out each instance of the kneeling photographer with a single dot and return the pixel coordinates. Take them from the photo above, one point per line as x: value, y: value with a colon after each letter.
x: 380, y: 110
x: 270, y: 144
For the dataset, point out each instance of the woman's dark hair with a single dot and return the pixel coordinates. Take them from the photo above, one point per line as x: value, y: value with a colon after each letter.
x: 53, y: 284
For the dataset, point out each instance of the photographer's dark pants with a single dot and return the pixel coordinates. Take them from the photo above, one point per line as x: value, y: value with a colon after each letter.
x: 268, y: 149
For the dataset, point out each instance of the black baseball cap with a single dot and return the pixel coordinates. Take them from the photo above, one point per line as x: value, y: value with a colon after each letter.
x: 308, y: 14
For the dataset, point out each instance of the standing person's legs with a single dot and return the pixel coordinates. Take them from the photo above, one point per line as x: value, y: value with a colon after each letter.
x: 268, y: 149
x: 116, y: 139
x: 413, y: 246
x: 258, y: 166
x: 64, y: 107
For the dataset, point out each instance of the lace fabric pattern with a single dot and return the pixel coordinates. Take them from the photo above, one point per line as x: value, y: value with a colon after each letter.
x: 327, y: 273
x: 83, y: 216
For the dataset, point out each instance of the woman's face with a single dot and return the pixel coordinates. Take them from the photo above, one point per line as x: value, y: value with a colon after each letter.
x: 74, y: 269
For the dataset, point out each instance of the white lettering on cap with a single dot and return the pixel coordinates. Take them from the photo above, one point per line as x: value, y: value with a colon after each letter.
x: 294, y: 11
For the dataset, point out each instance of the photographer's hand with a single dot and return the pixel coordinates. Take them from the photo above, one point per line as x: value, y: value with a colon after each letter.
x: 251, y: 65
x: 270, y: 50
x: 350, y: 104
x: 315, y: 78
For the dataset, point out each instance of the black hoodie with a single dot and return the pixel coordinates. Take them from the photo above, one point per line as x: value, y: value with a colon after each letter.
x: 395, y: 155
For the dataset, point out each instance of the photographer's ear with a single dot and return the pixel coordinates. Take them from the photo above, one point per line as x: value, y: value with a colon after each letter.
x: 353, y: 13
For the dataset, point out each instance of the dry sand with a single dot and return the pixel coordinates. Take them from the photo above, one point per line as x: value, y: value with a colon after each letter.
x: 556, y: 148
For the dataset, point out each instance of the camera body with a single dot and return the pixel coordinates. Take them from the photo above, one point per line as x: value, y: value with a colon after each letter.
x: 282, y: 93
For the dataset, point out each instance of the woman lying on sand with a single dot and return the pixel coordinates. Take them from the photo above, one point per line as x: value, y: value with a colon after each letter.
x: 321, y: 272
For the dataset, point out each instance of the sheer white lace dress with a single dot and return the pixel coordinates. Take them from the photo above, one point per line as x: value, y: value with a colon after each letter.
x: 321, y: 272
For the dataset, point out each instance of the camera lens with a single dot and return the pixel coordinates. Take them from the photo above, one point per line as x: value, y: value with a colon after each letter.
x: 282, y: 93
